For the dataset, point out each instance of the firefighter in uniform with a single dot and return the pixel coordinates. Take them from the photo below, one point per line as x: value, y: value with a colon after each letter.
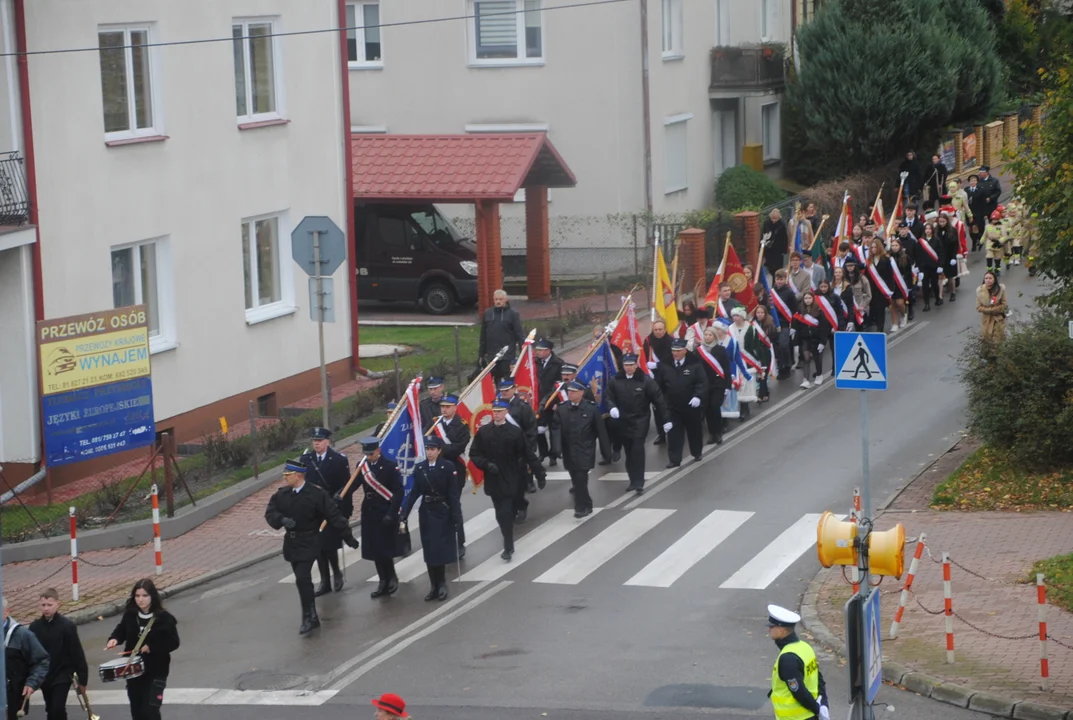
x: 330, y: 471
x: 430, y: 406
x: 631, y: 397
x: 382, y: 492
x: 436, y: 482
x: 798, y: 691
x: 455, y: 436
x: 300, y: 508
x: 549, y: 369
x: 685, y: 388
x: 522, y: 415
x: 575, y: 429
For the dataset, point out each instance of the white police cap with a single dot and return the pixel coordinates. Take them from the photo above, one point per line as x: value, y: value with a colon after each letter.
x: 781, y: 617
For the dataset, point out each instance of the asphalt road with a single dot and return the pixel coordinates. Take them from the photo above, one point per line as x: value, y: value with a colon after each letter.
x: 652, y: 606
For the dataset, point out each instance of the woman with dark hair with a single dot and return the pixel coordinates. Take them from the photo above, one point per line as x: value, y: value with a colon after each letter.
x: 992, y: 305
x: 810, y: 333
x: 146, y: 693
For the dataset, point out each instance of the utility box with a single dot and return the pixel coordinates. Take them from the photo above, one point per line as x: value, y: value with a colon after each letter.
x: 753, y: 156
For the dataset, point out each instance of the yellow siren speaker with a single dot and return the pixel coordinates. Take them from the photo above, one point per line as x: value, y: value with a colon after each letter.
x: 835, y: 541
x: 886, y: 551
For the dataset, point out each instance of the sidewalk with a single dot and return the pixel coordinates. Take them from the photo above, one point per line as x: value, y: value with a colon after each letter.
x: 996, y: 629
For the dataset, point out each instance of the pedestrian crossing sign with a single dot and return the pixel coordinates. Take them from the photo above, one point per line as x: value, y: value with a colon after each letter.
x: 861, y: 361
x: 873, y: 653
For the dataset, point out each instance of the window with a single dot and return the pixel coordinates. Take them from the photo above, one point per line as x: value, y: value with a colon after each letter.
x: 722, y: 23
x: 127, y: 83
x: 675, y: 154
x: 268, y: 284
x: 507, y: 32
x: 672, y: 29
x: 771, y: 128
x: 141, y: 275
x: 363, y: 36
x: 257, y: 86
x: 769, y: 20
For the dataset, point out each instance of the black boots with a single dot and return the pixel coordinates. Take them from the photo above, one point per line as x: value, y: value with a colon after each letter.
x: 309, y: 620
x: 381, y: 589
x: 324, y: 588
x: 337, y: 585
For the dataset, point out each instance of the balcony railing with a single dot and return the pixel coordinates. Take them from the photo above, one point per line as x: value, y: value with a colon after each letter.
x: 738, y: 68
x: 14, y: 198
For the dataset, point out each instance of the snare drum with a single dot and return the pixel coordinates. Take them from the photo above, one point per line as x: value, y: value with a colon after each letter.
x: 118, y: 669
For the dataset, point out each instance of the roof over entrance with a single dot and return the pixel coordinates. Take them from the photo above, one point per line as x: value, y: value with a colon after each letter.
x: 455, y: 168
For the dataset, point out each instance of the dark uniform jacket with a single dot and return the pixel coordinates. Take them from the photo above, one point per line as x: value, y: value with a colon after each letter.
x: 575, y: 430
x: 682, y: 384
x: 523, y: 414
x: 502, y: 452
x: 308, y: 507
x: 717, y: 386
x: 548, y: 374
x: 659, y: 349
x: 27, y: 661
x: 430, y: 410
x: 924, y: 260
x: 992, y: 191
x: 949, y: 246
x: 163, y: 639
x: 978, y: 205
x: 380, y: 516
x: 440, y: 511
x: 59, y: 637
x: 635, y: 397
x: 456, y: 438
x: 332, y: 475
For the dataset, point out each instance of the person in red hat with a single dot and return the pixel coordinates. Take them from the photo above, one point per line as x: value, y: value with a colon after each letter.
x: 389, y: 706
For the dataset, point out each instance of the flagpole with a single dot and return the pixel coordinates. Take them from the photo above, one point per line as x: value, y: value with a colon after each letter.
x: 674, y: 273
x: 655, y: 274
x: 529, y: 339
x: 487, y: 369
x: 879, y: 195
x: 890, y: 224
x: 819, y: 230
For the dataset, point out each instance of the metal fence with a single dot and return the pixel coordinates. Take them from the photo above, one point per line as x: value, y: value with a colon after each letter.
x: 14, y: 198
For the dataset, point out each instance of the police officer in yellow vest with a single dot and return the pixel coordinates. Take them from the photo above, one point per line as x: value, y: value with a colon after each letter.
x: 797, y: 688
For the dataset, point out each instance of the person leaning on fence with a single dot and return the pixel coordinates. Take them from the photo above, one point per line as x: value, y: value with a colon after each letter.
x: 501, y: 326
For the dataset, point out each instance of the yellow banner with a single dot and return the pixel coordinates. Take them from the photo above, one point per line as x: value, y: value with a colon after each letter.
x: 95, y: 349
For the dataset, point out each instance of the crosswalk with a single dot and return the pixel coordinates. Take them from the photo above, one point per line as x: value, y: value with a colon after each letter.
x: 739, y: 538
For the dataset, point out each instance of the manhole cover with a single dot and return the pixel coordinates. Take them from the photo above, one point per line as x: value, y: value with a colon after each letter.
x: 268, y: 680
x: 376, y: 350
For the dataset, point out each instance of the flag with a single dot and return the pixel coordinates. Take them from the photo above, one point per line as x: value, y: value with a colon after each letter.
x: 730, y: 271
x: 898, y: 211
x: 475, y: 409
x: 797, y: 238
x: 401, y: 438
x: 844, y: 229
x: 776, y: 302
x: 627, y: 338
x: 665, y: 298
x: 525, y: 374
x: 597, y: 369
x: 877, y: 213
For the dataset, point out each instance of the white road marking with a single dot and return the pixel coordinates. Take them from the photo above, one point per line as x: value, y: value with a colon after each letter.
x: 352, y: 557
x: 231, y: 587
x: 528, y: 546
x: 557, y: 475
x: 413, y: 566
x: 579, y: 564
x: 690, y: 549
x: 779, y: 555
x: 621, y: 476
x: 218, y: 696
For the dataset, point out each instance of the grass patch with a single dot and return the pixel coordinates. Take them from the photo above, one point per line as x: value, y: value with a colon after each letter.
x: 1058, y: 576
x: 990, y: 480
x: 433, y: 349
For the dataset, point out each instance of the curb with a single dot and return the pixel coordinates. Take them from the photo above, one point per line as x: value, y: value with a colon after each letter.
x: 882, y: 507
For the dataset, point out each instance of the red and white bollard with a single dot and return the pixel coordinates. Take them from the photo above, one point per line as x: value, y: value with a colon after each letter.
x: 74, y: 555
x: 1041, y: 599
x: 904, y: 599
x: 156, y: 530
x: 948, y: 606
x: 855, y: 572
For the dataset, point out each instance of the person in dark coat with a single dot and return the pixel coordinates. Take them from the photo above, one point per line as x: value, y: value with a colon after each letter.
x: 632, y: 397
x: 555, y: 398
x: 430, y: 405
x: 777, y: 242
x: 914, y: 179
x: 935, y: 183
x: 991, y: 189
x: 549, y: 369
x: 382, y: 492
x: 146, y: 693
x: 300, y: 508
x: 521, y: 414
x: 718, y: 380
x: 913, y: 221
x: 948, y: 240
x: 500, y: 451
x: 27, y: 664
x: 59, y: 637
x: 575, y: 429
x: 330, y: 471
x: 685, y: 388
x: 437, y: 483
x: 501, y: 327
x: 454, y: 433
x: 658, y: 351
x: 930, y: 253
x: 978, y: 207
x: 784, y: 349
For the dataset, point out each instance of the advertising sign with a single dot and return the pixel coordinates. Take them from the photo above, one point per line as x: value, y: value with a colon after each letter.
x: 968, y: 151
x: 96, y: 391
x: 946, y: 154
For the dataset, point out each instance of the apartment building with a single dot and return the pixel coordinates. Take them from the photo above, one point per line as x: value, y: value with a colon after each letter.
x: 171, y: 173
x: 574, y: 71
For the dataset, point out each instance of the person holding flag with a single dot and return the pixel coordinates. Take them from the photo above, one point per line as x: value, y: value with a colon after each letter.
x: 454, y: 434
x: 631, y: 397
x: 549, y: 371
x: 382, y: 494
x: 430, y: 406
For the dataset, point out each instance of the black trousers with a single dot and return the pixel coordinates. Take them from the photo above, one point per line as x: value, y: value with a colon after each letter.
x: 713, y: 413
x: 328, y: 559
x: 303, y: 579
x: 385, y: 569
x: 520, y: 501
x: 543, y: 450
x: 146, y: 694
x: 437, y: 575
x: 687, y: 424
x: 932, y: 290
x: 580, y: 480
x: 55, y: 696
x: 784, y: 352
x: 659, y: 427
x: 505, y: 518
x: 634, y: 449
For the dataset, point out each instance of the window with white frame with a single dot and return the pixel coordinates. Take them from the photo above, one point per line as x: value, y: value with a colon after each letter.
x: 676, y: 153
x: 268, y: 285
x: 257, y: 73
x: 769, y: 20
x: 363, y: 34
x: 141, y: 275
x: 771, y: 128
x: 506, y: 32
x: 127, y: 83
x: 673, y: 26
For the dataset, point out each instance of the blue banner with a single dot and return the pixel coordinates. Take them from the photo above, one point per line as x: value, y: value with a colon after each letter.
x: 597, y: 370
x: 97, y: 421
x: 402, y: 440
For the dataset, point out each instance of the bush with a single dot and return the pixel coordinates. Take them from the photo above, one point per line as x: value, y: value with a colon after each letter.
x: 743, y: 188
x: 1020, y: 392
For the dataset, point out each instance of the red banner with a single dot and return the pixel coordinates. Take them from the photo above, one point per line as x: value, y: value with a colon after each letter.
x: 731, y: 272
x: 627, y: 338
x: 475, y: 409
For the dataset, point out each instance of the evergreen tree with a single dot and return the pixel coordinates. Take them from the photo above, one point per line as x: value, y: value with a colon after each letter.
x: 972, y: 43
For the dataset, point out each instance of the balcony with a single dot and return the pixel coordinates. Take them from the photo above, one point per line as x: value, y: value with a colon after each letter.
x: 758, y: 67
x: 14, y: 199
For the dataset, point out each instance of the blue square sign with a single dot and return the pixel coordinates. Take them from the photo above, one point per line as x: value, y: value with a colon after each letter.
x: 861, y: 361
x: 873, y: 652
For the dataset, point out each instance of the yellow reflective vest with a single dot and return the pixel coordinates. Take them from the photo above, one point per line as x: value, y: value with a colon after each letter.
x: 782, y: 700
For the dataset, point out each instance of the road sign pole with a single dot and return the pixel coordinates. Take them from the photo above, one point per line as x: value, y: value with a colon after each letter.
x: 862, y: 708
x: 324, y: 398
x: 866, y: 494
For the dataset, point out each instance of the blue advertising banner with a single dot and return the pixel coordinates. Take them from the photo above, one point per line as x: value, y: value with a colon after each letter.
x: 96, y: 421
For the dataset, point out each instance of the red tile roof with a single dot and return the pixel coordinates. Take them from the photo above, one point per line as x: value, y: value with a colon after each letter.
x: 455, y: 168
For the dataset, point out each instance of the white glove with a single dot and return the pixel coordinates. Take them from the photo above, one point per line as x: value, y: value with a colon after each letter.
x: 694, y: 403
x: 825, y: 714
x: 614, y: 413
x: 960, y: 257
x: 793, y: 333
x: 819, y: 348
x: 610, y: 328
x: 541, y: 429
x: 939, y: 271
x: 955, y: 262
x: 849, y: 327
x: 667, y: 427
x: 652, y: 365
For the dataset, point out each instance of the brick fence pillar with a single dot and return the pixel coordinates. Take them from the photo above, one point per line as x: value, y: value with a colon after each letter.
x: 959, y: 152
x: 1012, y: 130
x: 537, y: 252
x: 993, y: 133
x: 489, y: 253
x: 693, y: 263
x: 978, y: 130
x: 750, y: 223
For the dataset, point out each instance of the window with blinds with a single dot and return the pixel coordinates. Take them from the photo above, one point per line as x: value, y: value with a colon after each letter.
x: 507, y: 30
